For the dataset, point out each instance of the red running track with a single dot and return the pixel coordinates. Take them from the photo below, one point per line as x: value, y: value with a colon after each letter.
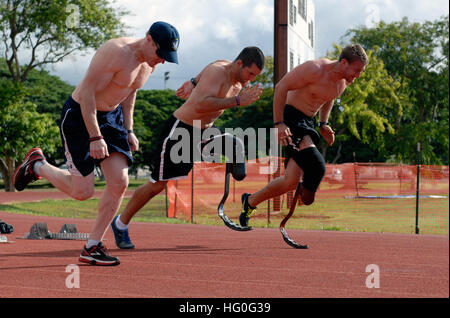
x: 195, y: 261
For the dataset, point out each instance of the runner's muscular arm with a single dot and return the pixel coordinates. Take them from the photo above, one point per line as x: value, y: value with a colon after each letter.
x: 128, y: 111
x: 186, y: 89
x: 325, y: 110
x: 326, y: 131
x: 207, y: 90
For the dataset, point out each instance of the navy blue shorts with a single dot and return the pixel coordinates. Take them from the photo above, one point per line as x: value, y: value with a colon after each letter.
x: 75, y: 137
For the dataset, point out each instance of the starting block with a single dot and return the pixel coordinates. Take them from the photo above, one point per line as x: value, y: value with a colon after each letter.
x: 69, y: 232
x: 39, y: 231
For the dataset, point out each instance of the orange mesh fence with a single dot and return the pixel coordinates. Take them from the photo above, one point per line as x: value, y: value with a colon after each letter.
x: 353, y: 196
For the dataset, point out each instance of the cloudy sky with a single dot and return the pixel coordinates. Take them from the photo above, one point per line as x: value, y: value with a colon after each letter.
x: 219, y: 29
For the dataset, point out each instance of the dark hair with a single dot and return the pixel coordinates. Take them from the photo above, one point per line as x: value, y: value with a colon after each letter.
x: 250, y: 55
x: 354, y: 52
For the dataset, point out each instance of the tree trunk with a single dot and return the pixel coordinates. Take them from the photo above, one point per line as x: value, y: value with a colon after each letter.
x: 338, y: 155
x: 7, y: 169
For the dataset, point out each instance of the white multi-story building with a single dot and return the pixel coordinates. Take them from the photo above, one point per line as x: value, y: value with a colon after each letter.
x: 300, y: 32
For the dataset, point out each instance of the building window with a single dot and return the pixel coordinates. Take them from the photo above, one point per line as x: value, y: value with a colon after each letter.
x: 302, y: 8
x: 291, y: 61
x: 311, y: 32
x: 291, y: 12
x: 295, y: 14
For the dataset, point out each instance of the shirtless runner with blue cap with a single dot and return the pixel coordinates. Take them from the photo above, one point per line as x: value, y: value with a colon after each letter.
x: 97, y: 128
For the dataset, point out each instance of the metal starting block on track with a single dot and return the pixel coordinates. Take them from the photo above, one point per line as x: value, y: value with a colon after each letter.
x: 39, y: 231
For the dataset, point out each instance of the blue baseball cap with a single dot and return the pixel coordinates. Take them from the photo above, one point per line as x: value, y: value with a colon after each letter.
x: 168, y: 40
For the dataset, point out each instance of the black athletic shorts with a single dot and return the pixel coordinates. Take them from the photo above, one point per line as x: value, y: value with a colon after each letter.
x: 180, y: 145
x: 75, y: 137
x: 300, y: 126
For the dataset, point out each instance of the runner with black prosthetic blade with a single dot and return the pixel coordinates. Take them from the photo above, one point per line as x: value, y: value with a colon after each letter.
x: 238, y: 170
x: 313, y: 166
x: 284, y: 233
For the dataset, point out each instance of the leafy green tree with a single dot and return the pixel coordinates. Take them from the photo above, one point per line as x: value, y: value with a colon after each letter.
x: 48, y: 92
x: 17, y: 117
x: 52, y: 30
x: 416, y: 54
x: 368, y: 111
x: 266, y: 76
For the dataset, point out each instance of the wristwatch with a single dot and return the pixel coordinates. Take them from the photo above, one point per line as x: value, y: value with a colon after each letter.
x: 323, y: 123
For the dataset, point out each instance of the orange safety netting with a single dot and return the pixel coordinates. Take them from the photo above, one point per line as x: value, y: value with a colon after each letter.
x: 202, y: 191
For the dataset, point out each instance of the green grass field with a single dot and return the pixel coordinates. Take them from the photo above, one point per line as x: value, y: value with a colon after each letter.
x: 329, y: 212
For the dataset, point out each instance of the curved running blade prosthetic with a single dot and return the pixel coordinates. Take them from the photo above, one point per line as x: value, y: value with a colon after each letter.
x: 286, y: 236
x: 222, y: 215
x: 290, y: 241
x: 233, y: 225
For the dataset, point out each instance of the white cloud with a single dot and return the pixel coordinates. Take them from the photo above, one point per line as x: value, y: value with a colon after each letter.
x: 225, y: 30
x: 334, y: 18
x: 237, y: 3
x: 262, y: 16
